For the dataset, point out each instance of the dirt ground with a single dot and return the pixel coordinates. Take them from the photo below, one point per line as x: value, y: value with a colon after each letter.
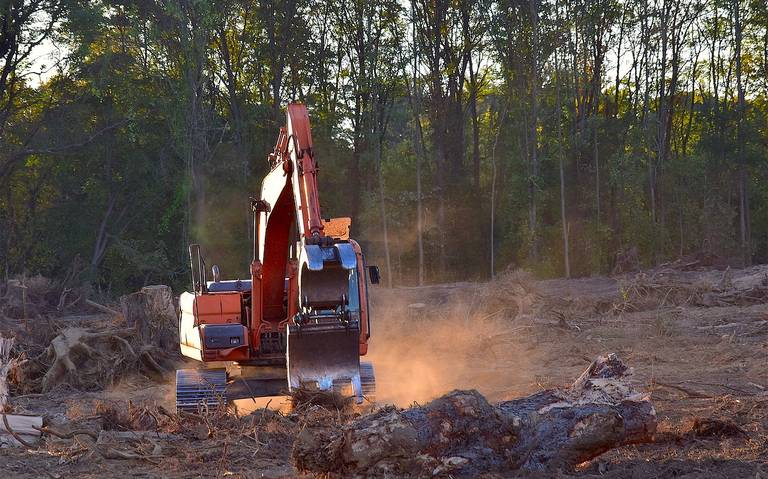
x: 697, y: 340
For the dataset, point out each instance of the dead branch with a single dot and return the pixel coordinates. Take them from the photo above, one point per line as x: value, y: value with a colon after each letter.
x: 68, y: 435
x: 102, y: 308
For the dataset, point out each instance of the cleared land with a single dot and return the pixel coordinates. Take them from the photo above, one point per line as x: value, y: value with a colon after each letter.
x: 696, y: 337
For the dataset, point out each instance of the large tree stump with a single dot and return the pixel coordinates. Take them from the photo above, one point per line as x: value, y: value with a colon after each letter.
x: 461, y: 434
x: 152, y: 313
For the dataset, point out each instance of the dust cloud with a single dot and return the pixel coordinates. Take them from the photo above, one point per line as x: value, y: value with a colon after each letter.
x: 457, y: 340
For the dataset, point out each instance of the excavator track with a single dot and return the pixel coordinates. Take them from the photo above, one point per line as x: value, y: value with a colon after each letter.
x: 366, y: 391
x: 200, y: 389
x: 368, y: 381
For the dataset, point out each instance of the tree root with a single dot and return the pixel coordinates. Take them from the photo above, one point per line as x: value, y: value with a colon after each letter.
x: 461, y: 434
x: 89, y: 360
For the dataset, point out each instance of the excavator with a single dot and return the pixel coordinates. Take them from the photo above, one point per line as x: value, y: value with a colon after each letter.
x: 302, y: 318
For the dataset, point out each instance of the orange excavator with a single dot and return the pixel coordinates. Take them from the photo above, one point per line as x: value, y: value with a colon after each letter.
x: 302, y: 319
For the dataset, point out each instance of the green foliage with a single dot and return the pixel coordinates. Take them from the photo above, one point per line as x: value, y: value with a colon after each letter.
x: 154, y: 131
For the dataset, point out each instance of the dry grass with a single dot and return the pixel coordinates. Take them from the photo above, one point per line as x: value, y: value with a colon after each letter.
x: 303, y: 399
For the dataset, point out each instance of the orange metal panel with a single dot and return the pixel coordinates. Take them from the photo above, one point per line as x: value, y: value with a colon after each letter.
x: 219, y: 308
x: 239, y: 353
x: 337, y: 228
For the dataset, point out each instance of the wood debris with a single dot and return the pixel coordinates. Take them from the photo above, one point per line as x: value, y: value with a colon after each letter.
x: 17, y: 430
x: 464, y: 435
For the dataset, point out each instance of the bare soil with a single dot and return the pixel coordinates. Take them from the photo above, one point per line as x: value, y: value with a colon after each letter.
x: 697, y: 340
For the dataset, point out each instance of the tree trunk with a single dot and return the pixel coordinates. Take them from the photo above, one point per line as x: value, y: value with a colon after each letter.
x: 500, y: 125
x: 597, y: 169
x: 618, y: 62
x: 473, y: 86
x: 419, y: 206
x: 100, y: 247
x: 152, y: 313
x: 418, y: 138
x: 742, y: 172
x: 534, y: 130
x: 461, y: 434
x: 441, y: 166
x: 560, y: 156
x: 354, y: 180
x: 383, y: 209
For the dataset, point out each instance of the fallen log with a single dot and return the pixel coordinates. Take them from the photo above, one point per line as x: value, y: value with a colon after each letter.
x: 461, y: 434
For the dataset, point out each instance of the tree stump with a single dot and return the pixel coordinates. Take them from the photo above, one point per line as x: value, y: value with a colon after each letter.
x: 152, y: 313
x: 462, y: 435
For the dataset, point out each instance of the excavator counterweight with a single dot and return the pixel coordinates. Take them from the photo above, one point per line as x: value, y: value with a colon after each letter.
x: 302, y: 318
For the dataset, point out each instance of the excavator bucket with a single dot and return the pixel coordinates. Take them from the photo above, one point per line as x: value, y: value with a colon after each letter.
x: 324, y: 356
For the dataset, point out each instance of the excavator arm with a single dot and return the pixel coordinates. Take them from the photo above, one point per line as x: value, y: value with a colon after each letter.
x: 294, y: 156
x: 326, y: 328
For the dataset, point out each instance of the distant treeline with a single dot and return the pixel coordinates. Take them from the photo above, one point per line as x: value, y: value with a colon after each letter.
x: 463, y: 137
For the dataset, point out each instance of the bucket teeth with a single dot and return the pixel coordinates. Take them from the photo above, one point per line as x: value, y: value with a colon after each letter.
x: 324, y: 356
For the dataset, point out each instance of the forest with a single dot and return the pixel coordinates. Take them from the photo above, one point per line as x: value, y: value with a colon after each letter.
x: 464, y: 137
